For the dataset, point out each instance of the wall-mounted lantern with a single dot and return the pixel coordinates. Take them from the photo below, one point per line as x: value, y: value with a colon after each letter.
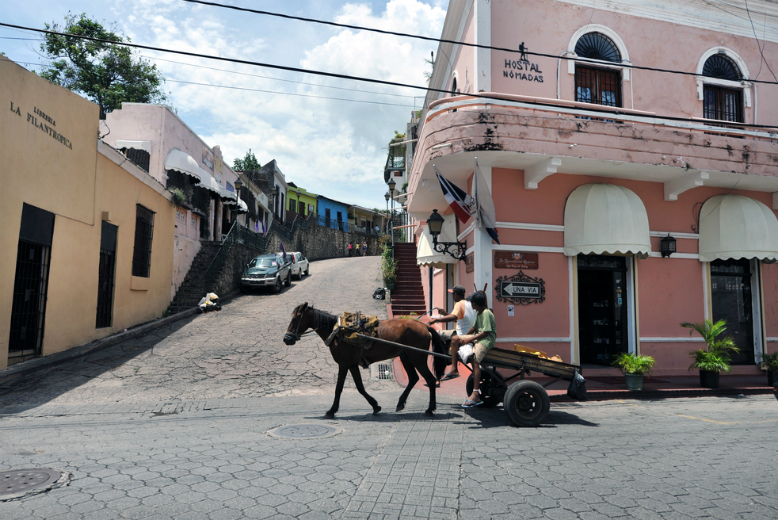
x: 667, y: 246
x: 435, y: 224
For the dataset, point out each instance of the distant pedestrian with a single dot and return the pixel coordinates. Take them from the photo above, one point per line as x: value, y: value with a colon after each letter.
x: 364, y: 248
x: 350, y: 247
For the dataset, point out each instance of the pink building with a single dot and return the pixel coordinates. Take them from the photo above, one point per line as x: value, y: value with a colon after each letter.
x: 593, y: 160
x: 158, y: 141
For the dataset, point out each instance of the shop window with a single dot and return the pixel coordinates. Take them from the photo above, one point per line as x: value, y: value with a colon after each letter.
x: 144, y: 233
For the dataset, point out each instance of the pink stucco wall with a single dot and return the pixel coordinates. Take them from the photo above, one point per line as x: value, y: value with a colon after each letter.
x: 649, y: 43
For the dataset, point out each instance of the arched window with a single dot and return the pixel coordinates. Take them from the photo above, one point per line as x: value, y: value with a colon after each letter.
x: 597, y: 85
x: 722, y: 102
x: 597, y: 46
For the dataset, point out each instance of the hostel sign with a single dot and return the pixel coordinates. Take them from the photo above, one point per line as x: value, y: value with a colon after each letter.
x: 520, y: 289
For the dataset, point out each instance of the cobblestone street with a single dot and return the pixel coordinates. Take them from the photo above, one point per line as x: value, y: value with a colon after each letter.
x: 176, y: 425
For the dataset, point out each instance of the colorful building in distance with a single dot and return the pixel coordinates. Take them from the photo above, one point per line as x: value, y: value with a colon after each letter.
x: 300, y: 202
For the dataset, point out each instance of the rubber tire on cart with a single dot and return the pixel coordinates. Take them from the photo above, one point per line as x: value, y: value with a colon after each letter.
x: 527, y: 403
x: 288, y: 279
x: 277, y: 286
x: 495, y: 396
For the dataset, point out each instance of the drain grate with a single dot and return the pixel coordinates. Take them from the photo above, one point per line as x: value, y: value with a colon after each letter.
x: 21, y: 481
x: 304, y: 431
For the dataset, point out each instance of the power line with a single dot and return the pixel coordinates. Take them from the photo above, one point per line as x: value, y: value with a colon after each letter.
x: 287, y: 93
x: 442, y: 40
x: 266, y: 91
x: 342, y: 76
x: 279, y: 79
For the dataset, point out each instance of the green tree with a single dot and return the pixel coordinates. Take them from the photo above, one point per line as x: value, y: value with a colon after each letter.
x: 102, y: 72
x: 247, y: 164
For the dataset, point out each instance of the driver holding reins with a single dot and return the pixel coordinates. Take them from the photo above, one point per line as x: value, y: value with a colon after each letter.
x: 464, y: 315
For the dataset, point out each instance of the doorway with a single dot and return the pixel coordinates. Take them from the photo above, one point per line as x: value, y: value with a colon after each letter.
x: 105, y: 278
x: 734, y: 294
x: 604, y: 294
x: 31, y: 282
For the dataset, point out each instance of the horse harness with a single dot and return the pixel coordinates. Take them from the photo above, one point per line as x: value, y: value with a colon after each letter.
x: 349, y: 325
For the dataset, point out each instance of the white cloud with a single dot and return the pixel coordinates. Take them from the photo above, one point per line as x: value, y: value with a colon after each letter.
x: 331, y: 147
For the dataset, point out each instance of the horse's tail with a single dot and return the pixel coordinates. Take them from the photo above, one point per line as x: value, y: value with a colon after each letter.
x: 438, y: 364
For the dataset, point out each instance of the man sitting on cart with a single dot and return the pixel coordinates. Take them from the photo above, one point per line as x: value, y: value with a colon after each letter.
x: 483, y: 335
x: 464, y: 316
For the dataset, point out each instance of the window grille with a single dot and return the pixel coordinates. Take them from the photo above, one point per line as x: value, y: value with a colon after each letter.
x: 28, y: 309
x: 144, y: 233
x: 141, y: 158
x: 597, y: 46
x: 598, y: 86
x: 723, y: 104
x: 721, y: 66
x: 105, y: 277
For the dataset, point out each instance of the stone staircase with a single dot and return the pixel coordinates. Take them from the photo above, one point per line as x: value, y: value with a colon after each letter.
x: 193, y: 288
x: 408, y: 294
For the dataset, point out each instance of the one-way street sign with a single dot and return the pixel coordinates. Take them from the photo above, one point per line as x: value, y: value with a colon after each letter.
x: 520, y: 289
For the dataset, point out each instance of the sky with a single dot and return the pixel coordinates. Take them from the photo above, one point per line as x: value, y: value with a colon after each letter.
x: 333, y: 147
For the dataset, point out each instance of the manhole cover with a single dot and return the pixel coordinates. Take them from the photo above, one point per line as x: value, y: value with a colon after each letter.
x: 304, y: 431
x: 21, y: 481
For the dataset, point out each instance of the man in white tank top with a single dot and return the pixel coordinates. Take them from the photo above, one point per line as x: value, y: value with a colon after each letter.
x: 464, y: 315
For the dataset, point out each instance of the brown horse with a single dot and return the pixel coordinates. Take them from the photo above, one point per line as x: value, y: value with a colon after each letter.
x: 406, y: 332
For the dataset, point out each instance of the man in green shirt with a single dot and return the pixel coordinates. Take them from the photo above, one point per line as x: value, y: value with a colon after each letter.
x: 483, y: 335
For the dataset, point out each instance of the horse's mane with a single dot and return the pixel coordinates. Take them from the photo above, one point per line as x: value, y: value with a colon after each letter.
x: 321, y: 319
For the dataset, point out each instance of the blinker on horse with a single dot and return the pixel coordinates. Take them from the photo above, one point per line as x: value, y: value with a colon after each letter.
x: 405, y: 332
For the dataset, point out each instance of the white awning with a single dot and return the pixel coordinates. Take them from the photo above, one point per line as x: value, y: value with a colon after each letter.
x: 606, y: 219
x: 734, y: 227
x: 242, y: 207
x: 229, y: 198
x: 425, y: 253
x: 184, y: 163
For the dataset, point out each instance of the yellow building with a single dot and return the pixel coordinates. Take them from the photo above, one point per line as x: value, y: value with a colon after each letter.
x: 86, y: 246
x: 300, y: 201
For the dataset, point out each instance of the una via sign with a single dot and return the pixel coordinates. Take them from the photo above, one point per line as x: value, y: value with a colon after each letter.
x: 520, y: 289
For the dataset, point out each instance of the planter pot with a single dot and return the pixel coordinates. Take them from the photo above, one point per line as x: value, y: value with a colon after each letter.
x: 709, y: 379
x: 634, y: 381
x: 772, y: 377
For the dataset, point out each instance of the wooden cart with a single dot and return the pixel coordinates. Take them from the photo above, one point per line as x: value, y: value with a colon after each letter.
x: 526, y: 402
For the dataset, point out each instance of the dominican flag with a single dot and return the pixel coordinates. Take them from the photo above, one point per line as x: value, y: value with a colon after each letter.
x: 283, y: 250
x: 459, y: 201
x: 484, y: 205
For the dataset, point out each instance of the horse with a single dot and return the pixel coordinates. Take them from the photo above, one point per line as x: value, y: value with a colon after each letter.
x: 406, y: 332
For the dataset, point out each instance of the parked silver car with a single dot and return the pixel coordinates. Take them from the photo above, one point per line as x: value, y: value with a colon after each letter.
x: 300, y: 265
x: 267, y: 271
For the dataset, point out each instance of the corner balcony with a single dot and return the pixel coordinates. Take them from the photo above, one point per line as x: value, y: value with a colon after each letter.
x: 547, y: 136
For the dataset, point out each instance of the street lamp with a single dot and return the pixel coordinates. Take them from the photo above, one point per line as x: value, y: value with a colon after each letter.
x: 435, y: 226
x: 392, y: 184
x: 386, y: 197
x: 667, y: 246
x: 238, y: 186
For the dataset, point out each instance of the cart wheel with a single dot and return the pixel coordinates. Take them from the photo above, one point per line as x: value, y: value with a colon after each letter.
x: 491, y: 393
x: 527, y: 403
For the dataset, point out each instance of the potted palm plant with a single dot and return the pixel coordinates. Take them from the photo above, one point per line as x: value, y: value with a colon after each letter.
x: 714, y: 359
x: 389, y: 268
x: 634, y: 367
x: 770, y: 364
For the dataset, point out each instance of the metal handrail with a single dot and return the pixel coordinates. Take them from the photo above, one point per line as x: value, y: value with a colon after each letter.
x: 240, y: 234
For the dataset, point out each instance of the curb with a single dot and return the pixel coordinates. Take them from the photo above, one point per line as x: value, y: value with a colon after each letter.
x: 613, y: 395
x: 28, y: 367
